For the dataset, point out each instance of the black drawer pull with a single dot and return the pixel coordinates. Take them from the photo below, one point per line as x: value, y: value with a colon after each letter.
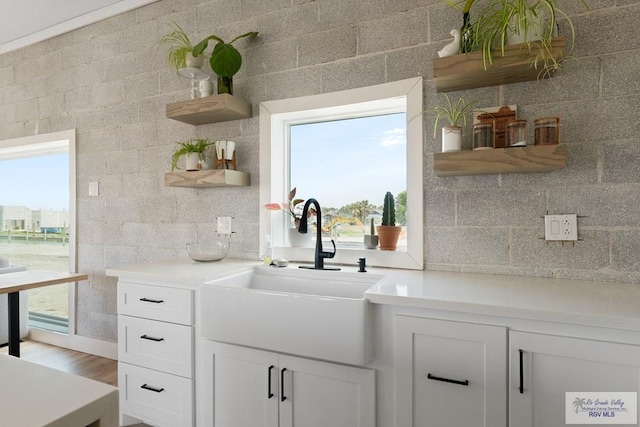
x: 269, y: 393
x: 147, y: 337
x: 155, y: 301
x: 521, y: 388
x: 148, y: 387
x: 282, y: 396
x: 447, y: 380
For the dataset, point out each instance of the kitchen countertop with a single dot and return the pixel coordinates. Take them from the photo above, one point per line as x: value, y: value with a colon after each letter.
x: 33, y: 395
x: 600, y: 304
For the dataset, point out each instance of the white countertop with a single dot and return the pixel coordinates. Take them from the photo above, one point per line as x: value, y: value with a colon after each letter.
x: 569, y: 301
x: 33, y: 395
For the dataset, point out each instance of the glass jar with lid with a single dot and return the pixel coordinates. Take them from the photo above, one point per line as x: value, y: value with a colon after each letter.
x: 546, y: 131
x: 516, y: 132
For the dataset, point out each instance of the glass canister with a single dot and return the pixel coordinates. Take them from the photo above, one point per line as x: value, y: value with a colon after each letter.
x: 546, y: 131
x: 516, y: 132
x: 483, y: 136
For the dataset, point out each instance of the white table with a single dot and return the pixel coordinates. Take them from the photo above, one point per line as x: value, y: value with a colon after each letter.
x: 33, y: 395
x: 13, y: 283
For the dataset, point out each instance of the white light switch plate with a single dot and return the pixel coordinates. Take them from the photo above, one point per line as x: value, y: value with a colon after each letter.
x: 561, y: 227
x: 94, y: 188
x: 224, y: 225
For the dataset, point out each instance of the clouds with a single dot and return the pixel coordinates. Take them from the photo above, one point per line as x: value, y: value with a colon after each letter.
x: 393, y: 137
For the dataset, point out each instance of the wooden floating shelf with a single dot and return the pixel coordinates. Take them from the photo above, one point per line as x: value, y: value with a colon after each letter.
x: 207, y: 179
x: 466, y: 70
x: 539, y: 158
x: 210, y: 109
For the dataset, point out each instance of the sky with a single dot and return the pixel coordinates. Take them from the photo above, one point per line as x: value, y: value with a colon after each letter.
x: 346, y: 161
x: 35, y: 182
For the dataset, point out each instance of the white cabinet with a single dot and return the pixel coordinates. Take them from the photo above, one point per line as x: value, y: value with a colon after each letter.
x: 155, y: 354
x: 553, y: 365
x: 450, y: 373
x: 256, y: 388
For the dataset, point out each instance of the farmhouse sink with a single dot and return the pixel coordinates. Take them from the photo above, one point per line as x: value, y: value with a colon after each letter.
x: 319, y: 314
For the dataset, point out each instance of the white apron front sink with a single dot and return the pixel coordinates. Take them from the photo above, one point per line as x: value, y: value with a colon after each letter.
x: 314, y: 313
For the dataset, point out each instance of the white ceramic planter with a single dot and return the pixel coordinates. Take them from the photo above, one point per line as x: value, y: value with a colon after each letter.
x: 298, y: 239
x: 451, y: 138
x: 193, y: 61
x: 192, y: 162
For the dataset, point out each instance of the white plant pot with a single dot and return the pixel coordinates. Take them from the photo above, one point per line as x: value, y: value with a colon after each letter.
x: 535, y: 29
x: 192, y: 162
x: 451, y: 138
x: 193, y: 61
x: 299, y: 240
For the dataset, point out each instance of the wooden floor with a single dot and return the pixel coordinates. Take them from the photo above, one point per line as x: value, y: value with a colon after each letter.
x: 74, y: 362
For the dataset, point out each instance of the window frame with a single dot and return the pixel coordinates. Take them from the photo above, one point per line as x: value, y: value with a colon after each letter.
x: 42, y: 145
x: 275, y: 119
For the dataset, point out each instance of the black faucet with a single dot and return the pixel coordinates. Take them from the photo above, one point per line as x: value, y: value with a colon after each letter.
x: 302, y: 228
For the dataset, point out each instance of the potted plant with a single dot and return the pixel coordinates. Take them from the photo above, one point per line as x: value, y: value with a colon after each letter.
x: 388, y: 232
x: 504, y: 22
x: 225, y: 59
x: 454, y: 113
x: 371, y: 240
x: 295, y: 238
x: 180, y: 49
x: 194, y: 151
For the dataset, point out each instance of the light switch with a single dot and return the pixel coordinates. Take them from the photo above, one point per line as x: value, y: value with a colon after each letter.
x: 94, y: 188
x: 561, y: 227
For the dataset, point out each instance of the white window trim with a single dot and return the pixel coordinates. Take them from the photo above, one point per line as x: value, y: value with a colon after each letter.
x: 275, y: 119
x: 56, y: 143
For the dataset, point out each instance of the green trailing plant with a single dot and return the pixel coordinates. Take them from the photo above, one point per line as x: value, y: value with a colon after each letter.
x: 454, y: 113
x: 389, y: 210
x: 198, y: 146
x: 530, y: 19
x: 179, y: 45
x: 225, y: 59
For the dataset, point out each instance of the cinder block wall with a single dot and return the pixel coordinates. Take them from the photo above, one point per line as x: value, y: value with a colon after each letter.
x: 109, y: 81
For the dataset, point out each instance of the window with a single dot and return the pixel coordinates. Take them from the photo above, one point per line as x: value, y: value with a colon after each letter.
x: 37, y: 218
x: 346, y: 148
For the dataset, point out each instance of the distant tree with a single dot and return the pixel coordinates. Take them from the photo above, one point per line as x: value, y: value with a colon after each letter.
x: 401, y: 208
x: 358, y: 210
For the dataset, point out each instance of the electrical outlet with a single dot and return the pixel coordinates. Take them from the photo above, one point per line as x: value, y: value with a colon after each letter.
x: 94, y: 188
x: 561, y: 227
x: 224, y: 225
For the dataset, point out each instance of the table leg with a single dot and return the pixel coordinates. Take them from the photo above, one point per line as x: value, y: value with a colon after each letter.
x: 14, y: 323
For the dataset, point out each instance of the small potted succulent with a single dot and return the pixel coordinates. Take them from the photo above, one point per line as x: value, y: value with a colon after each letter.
x: 371, y: 240
x: 194, y: 151
x: 295, y: 238
x: 225, y: 59
x: 455, y: 113
x: 388, y: 232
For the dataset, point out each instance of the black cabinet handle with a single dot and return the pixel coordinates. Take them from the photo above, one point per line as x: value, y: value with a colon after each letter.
x: 282, y: 396
x: 155, y: 301
x: 147, y: 337
x: 148, y: 387
x: 448, y: 380
x: 269, y: 393
x: 521, y: 388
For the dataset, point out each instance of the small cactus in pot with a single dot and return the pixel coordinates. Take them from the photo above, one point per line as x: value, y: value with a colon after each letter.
x: 388, y: 232
x: 371, y: 240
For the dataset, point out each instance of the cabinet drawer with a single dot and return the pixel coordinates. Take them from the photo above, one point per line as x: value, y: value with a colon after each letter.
x: 154, y: 397
x: 157, y: 345
x: 156, y: 302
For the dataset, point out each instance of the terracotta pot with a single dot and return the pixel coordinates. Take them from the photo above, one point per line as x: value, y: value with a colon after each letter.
x: 388, y: 236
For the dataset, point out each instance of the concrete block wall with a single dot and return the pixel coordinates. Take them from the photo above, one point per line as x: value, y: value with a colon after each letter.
x: 109, y: 81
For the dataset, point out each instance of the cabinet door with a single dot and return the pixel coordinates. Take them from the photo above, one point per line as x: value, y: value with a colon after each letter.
x: 450, y: 374
x: 553, y: 365
x: 319, y: 394
x: 241, y: 386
